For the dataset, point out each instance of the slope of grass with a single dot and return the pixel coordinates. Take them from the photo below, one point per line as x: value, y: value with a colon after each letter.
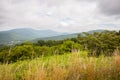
x: 73, y: 66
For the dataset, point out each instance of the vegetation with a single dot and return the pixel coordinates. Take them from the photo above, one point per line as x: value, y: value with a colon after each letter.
x: 22, y: 34
x: 105, y: 43
x: 62, y: 37
x: 63, y: 67
x: 93, y: 56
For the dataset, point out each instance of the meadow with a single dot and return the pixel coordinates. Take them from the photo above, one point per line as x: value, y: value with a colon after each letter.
x: 88, y: 57
x: 72, y: 66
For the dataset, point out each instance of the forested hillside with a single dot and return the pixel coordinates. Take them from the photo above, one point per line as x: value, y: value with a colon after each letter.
x: 104, y: 43
x: 62, y: 37
x: 88, y: 57
x: 24, y: 34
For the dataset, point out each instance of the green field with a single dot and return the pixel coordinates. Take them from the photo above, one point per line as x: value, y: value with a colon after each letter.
x: 88, y: 57
x: 72, y: 66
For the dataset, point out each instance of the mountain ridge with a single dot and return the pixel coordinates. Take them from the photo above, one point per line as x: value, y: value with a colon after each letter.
x: 27, y: 34
x: 67, y: 36
x: 23, y: 34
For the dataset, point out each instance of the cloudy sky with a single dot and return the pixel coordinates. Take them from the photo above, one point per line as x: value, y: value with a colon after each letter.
x: 60, y: 15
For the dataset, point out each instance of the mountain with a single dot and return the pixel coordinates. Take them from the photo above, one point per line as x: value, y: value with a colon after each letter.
x: 27, y: 34
x: 23, y: 34
x: 67, y: 36
x: 60, y: 37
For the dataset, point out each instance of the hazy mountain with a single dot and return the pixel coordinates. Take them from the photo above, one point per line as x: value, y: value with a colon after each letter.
x: 23, y: 34
x: 61, y: 37
x: 27, y: 34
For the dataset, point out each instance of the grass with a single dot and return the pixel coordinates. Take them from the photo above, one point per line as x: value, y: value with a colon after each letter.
x: 73, y: 66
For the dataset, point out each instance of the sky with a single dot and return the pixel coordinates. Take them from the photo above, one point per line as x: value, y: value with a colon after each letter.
x: 60, y: 15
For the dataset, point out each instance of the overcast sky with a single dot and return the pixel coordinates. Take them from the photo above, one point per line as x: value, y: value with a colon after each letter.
x: 60, y: 15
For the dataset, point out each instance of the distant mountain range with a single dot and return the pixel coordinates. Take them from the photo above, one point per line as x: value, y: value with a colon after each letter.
x: 14, y: 36
x: 67, y: 36
x: 23, y: 34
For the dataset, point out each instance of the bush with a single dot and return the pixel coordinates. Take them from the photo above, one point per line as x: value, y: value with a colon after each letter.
x: 21, y: 53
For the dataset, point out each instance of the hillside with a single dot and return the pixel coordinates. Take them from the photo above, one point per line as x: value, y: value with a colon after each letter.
x: 23, y: 34
x: 27, y: 34
x: 88, y: 57
x: 67, y: 36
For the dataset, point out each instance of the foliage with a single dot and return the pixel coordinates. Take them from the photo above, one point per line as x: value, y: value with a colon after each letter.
x: 45, y: 58
x: 101, y: 43
x: 105, y: 43
x: 63, y: 67
x: 21, y: 52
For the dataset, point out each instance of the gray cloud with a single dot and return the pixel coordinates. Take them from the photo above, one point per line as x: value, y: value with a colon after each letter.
x: 110, y: 7
x: 70, y: 15
x: 107, y: 7
x: 87, y: 0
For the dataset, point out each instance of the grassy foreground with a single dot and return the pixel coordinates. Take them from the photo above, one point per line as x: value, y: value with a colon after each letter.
x: 63, y: 67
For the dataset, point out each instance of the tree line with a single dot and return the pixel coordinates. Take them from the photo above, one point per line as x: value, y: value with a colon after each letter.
x: 106, y: 43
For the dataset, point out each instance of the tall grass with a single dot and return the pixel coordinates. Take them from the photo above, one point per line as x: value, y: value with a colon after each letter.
x: 63, y: 67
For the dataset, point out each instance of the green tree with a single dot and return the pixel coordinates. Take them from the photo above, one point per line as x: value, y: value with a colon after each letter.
x: 21, y: 53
